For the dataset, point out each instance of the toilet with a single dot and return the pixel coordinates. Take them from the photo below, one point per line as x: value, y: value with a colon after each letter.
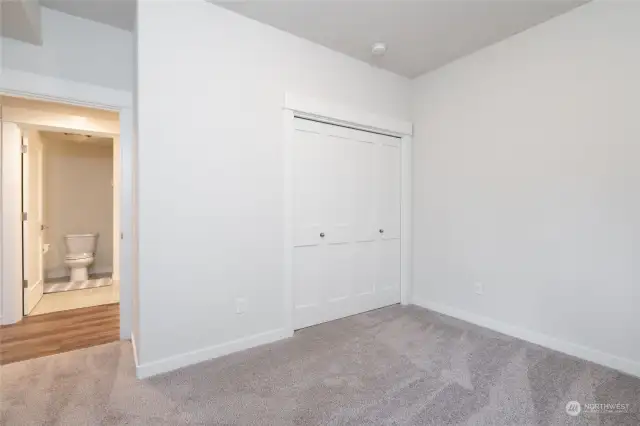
x: 81, y: 250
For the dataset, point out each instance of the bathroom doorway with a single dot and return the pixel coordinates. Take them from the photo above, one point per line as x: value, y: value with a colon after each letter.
x: 70, y: 231
x: 70, y: 193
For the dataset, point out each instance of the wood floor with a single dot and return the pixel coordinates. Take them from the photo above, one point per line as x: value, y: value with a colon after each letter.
x: 49, y: 334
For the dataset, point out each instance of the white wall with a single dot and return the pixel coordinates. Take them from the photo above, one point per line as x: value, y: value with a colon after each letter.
x: 75, y: 49
x: 11, y: 209
x: 526, y: 176
x: 78, y: 199
x: 210, y: 142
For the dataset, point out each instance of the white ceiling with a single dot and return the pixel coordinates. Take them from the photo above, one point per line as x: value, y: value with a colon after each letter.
x: 117, y: 13
x: 421, y: 35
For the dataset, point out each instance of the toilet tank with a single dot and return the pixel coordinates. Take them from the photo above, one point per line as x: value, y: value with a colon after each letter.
x: 80, y: 243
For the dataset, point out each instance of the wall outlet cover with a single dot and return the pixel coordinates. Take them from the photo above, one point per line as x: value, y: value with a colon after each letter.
x: 241, y: 306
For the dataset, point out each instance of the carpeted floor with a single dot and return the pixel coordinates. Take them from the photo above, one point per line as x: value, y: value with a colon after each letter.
x: 394, y: 366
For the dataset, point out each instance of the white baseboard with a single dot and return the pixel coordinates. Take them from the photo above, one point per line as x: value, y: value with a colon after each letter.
x: 211, y: 352
x: 608, y: 360
x: 135, y: 350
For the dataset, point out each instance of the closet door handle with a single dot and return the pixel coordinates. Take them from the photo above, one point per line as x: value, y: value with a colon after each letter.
x: 381, y: 231
x: 322, y: 235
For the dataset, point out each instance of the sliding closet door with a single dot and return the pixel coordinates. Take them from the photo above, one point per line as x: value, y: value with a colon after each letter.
x: 311, y: 188
x: 388, y: 197
x: 338, y: 248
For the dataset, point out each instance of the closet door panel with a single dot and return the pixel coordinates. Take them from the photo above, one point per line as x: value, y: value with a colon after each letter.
x: 389, y: 191
x: 343, y: 196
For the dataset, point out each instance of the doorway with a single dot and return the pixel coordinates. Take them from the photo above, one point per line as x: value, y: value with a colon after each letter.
x: 38, y: 215
x: 28, y: 127
x: 70, y: 95
x: 70, y: 235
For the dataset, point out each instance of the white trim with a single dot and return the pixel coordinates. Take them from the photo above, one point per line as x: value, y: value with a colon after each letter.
x: 609, y: 360
x: 339, y: 114
x: 59, y: 122
x: 38, y: 288
x: 11, y: 246
x: 406, y: 255
x: 135, y: 350
x: 29, y: 85
x: 287, y: 123
x: 38, y: 87
x: 206, y: 354
x: 115, y: 209
x: 296, y: 106
x: 127, y: 221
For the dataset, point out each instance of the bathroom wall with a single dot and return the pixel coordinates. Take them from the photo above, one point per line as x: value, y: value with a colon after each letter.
x: 78, y: 199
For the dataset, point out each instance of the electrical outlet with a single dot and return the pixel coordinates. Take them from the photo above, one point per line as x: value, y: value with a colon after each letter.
x: 241, y: 306
x: 478, y: 288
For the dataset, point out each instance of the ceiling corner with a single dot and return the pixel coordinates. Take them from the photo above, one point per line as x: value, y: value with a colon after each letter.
x: 20, y: 20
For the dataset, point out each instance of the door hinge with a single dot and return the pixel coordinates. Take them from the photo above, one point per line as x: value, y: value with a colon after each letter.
x: 23, y: 149
x: 122, y: 235
x: 24, y: 216
x: 25, y: 284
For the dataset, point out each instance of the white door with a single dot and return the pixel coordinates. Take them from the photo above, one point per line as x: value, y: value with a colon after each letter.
x: 32, y: 227
x: 346, y: 255
x: 388, y: 208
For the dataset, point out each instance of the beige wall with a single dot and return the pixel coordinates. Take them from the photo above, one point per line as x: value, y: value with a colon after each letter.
x: 78, y: 199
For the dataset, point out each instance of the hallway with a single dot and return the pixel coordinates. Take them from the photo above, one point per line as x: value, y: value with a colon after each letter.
x: 54, y: 333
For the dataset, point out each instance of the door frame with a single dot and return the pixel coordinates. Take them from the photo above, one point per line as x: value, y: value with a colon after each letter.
x: 36, y: 87
x: 38, y: 286
x: 330, y: 113
x: 116, y: 187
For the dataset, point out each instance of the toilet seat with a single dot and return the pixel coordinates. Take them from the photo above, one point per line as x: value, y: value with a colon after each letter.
x: 78, y: 256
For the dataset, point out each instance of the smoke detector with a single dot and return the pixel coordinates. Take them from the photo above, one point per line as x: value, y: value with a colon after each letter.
x: 378, y: 49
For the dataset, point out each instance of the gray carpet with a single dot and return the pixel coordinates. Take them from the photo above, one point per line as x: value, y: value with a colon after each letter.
x: 394, y: 366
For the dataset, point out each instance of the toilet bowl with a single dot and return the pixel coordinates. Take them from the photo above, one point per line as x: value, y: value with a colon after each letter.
x: 81, y: 249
